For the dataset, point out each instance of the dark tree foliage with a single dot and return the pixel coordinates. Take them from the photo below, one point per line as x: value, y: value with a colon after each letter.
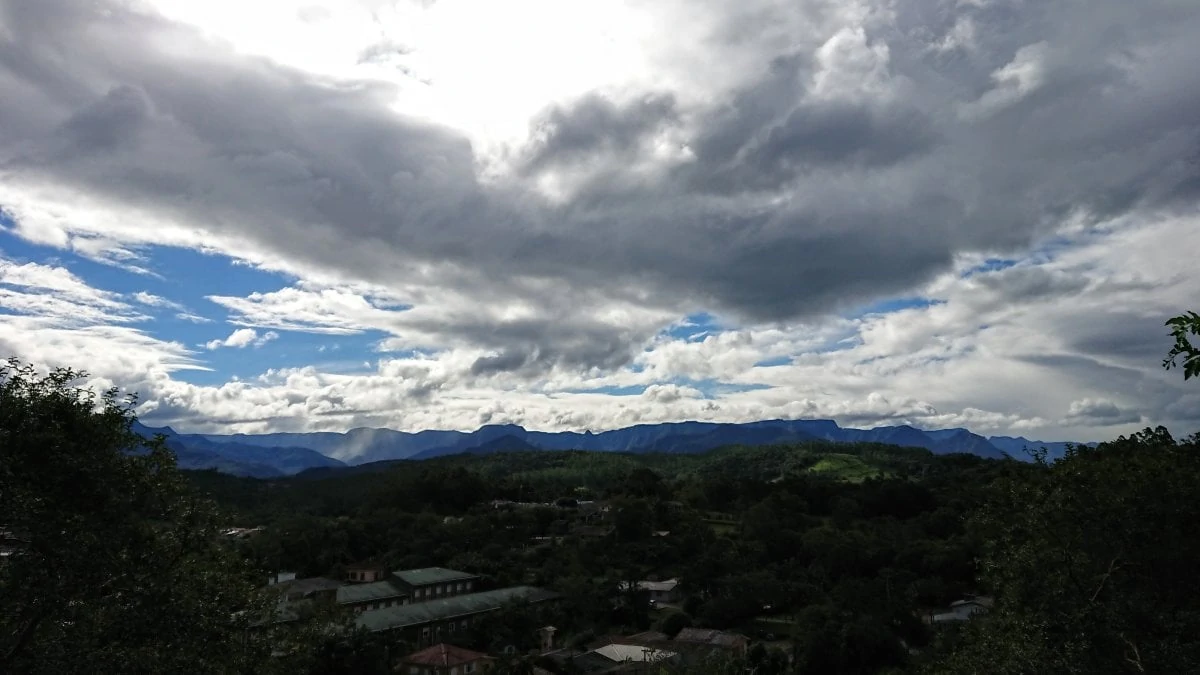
x: 114, y: 563
x: 1094, y: 563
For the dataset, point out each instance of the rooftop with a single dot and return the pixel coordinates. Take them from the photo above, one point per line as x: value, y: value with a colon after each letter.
x: 444, y: 655
x: 982, y: 601
x: 376, y: 590
x: 432, y: 575
x: 460, y: 605
x: 307, y: 586
x: 624, y: 653
x: 710, y: 637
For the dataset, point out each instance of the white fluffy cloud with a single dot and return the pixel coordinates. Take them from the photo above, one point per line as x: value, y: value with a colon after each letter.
x: 525, y: 247
x: 241, y: 338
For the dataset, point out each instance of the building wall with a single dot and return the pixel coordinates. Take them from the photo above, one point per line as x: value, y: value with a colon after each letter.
x: 364, y: 575
x: 462, y: 669
x: 376, y: 604
x: 442, y: 590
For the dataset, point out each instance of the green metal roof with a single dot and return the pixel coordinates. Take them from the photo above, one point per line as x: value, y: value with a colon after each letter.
x: 432, y: 575
x: 420, y: 613
x: 377, y: 590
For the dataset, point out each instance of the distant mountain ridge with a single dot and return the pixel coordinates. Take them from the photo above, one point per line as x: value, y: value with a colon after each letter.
x: 278, y: 454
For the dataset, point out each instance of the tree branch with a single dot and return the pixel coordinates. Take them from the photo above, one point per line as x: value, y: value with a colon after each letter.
x: 23, y: 638
x: 1104, y: 579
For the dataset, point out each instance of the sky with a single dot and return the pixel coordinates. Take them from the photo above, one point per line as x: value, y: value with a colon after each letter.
x: 439, y: 214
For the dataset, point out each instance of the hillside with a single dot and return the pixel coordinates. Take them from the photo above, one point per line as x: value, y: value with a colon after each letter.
x: 290, y: 453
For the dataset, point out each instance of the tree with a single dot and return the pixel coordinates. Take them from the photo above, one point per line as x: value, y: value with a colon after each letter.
x: 1182, y: 326
x: 115, y: 565
x: 674, y: 622
x: 1093, y: 561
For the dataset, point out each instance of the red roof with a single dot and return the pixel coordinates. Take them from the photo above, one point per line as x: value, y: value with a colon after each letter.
x: 444, y: 655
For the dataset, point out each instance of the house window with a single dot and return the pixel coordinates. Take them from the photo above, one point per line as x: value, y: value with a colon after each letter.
x: 453, y: 670
x: 469, y: 668
x: 469, y: 585
x: 452, y: 628
x: 414, y: 670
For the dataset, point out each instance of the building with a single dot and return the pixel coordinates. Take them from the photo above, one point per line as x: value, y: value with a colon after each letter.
x: 659, y: 591
x: 615, y: 657
x: 428, y: 622
x: 712, y: 640
x: 373, y: 595
x: 365, y: 573
x: 963, y: 610
x: 546, y: 638
x: 241, y: 532
x: 375, y: 590
x: 313, y: 589
x: 431, y: 583
x: 445, y: 659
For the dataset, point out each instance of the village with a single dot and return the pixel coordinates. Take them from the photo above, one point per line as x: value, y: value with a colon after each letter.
x: 437, y: 611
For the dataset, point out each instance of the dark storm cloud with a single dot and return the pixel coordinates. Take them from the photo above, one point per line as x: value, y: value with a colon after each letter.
x: 794, y: 201
x: 595, y: 126
x: 109, y: 123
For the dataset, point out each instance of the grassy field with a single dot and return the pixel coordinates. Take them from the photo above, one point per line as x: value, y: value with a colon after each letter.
x: 846, y: 467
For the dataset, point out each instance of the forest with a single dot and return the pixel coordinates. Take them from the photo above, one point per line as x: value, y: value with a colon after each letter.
x: 830, y: 558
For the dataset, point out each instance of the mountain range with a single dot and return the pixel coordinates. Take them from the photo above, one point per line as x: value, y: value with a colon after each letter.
x: 283, y: 454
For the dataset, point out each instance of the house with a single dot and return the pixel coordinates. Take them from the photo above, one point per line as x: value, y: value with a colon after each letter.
x: 616, y: 657
x: 403, y: 587
x: 313, y: 588
x: 962, y: 610
x: 430, y: 621
x: 297, y: 597
x: 445, y: 659
x: 241, y: 532
x: 365, y: 573
x: 699, y: 638
x: 280, y: 577
x: 431, y: 583
x: 659, y: 591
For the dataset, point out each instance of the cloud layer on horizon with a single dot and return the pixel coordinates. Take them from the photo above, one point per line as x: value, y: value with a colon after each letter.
x: 777, y: 170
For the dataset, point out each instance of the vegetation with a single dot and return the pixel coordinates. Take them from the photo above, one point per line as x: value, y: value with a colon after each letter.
x: 113, y: 563
x: 831, y: 557
x: 1183, y: 328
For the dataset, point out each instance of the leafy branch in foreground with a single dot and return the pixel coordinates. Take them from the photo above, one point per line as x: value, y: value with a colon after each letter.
x: 1183, y: 326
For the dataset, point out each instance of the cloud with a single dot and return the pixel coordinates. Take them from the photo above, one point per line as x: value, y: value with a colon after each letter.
x: 827, y: 159
x: 151, y: 300
x: 775, y: 165
x: 56, y: 295
x: 1100, y: 412
x: 242, y: 338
